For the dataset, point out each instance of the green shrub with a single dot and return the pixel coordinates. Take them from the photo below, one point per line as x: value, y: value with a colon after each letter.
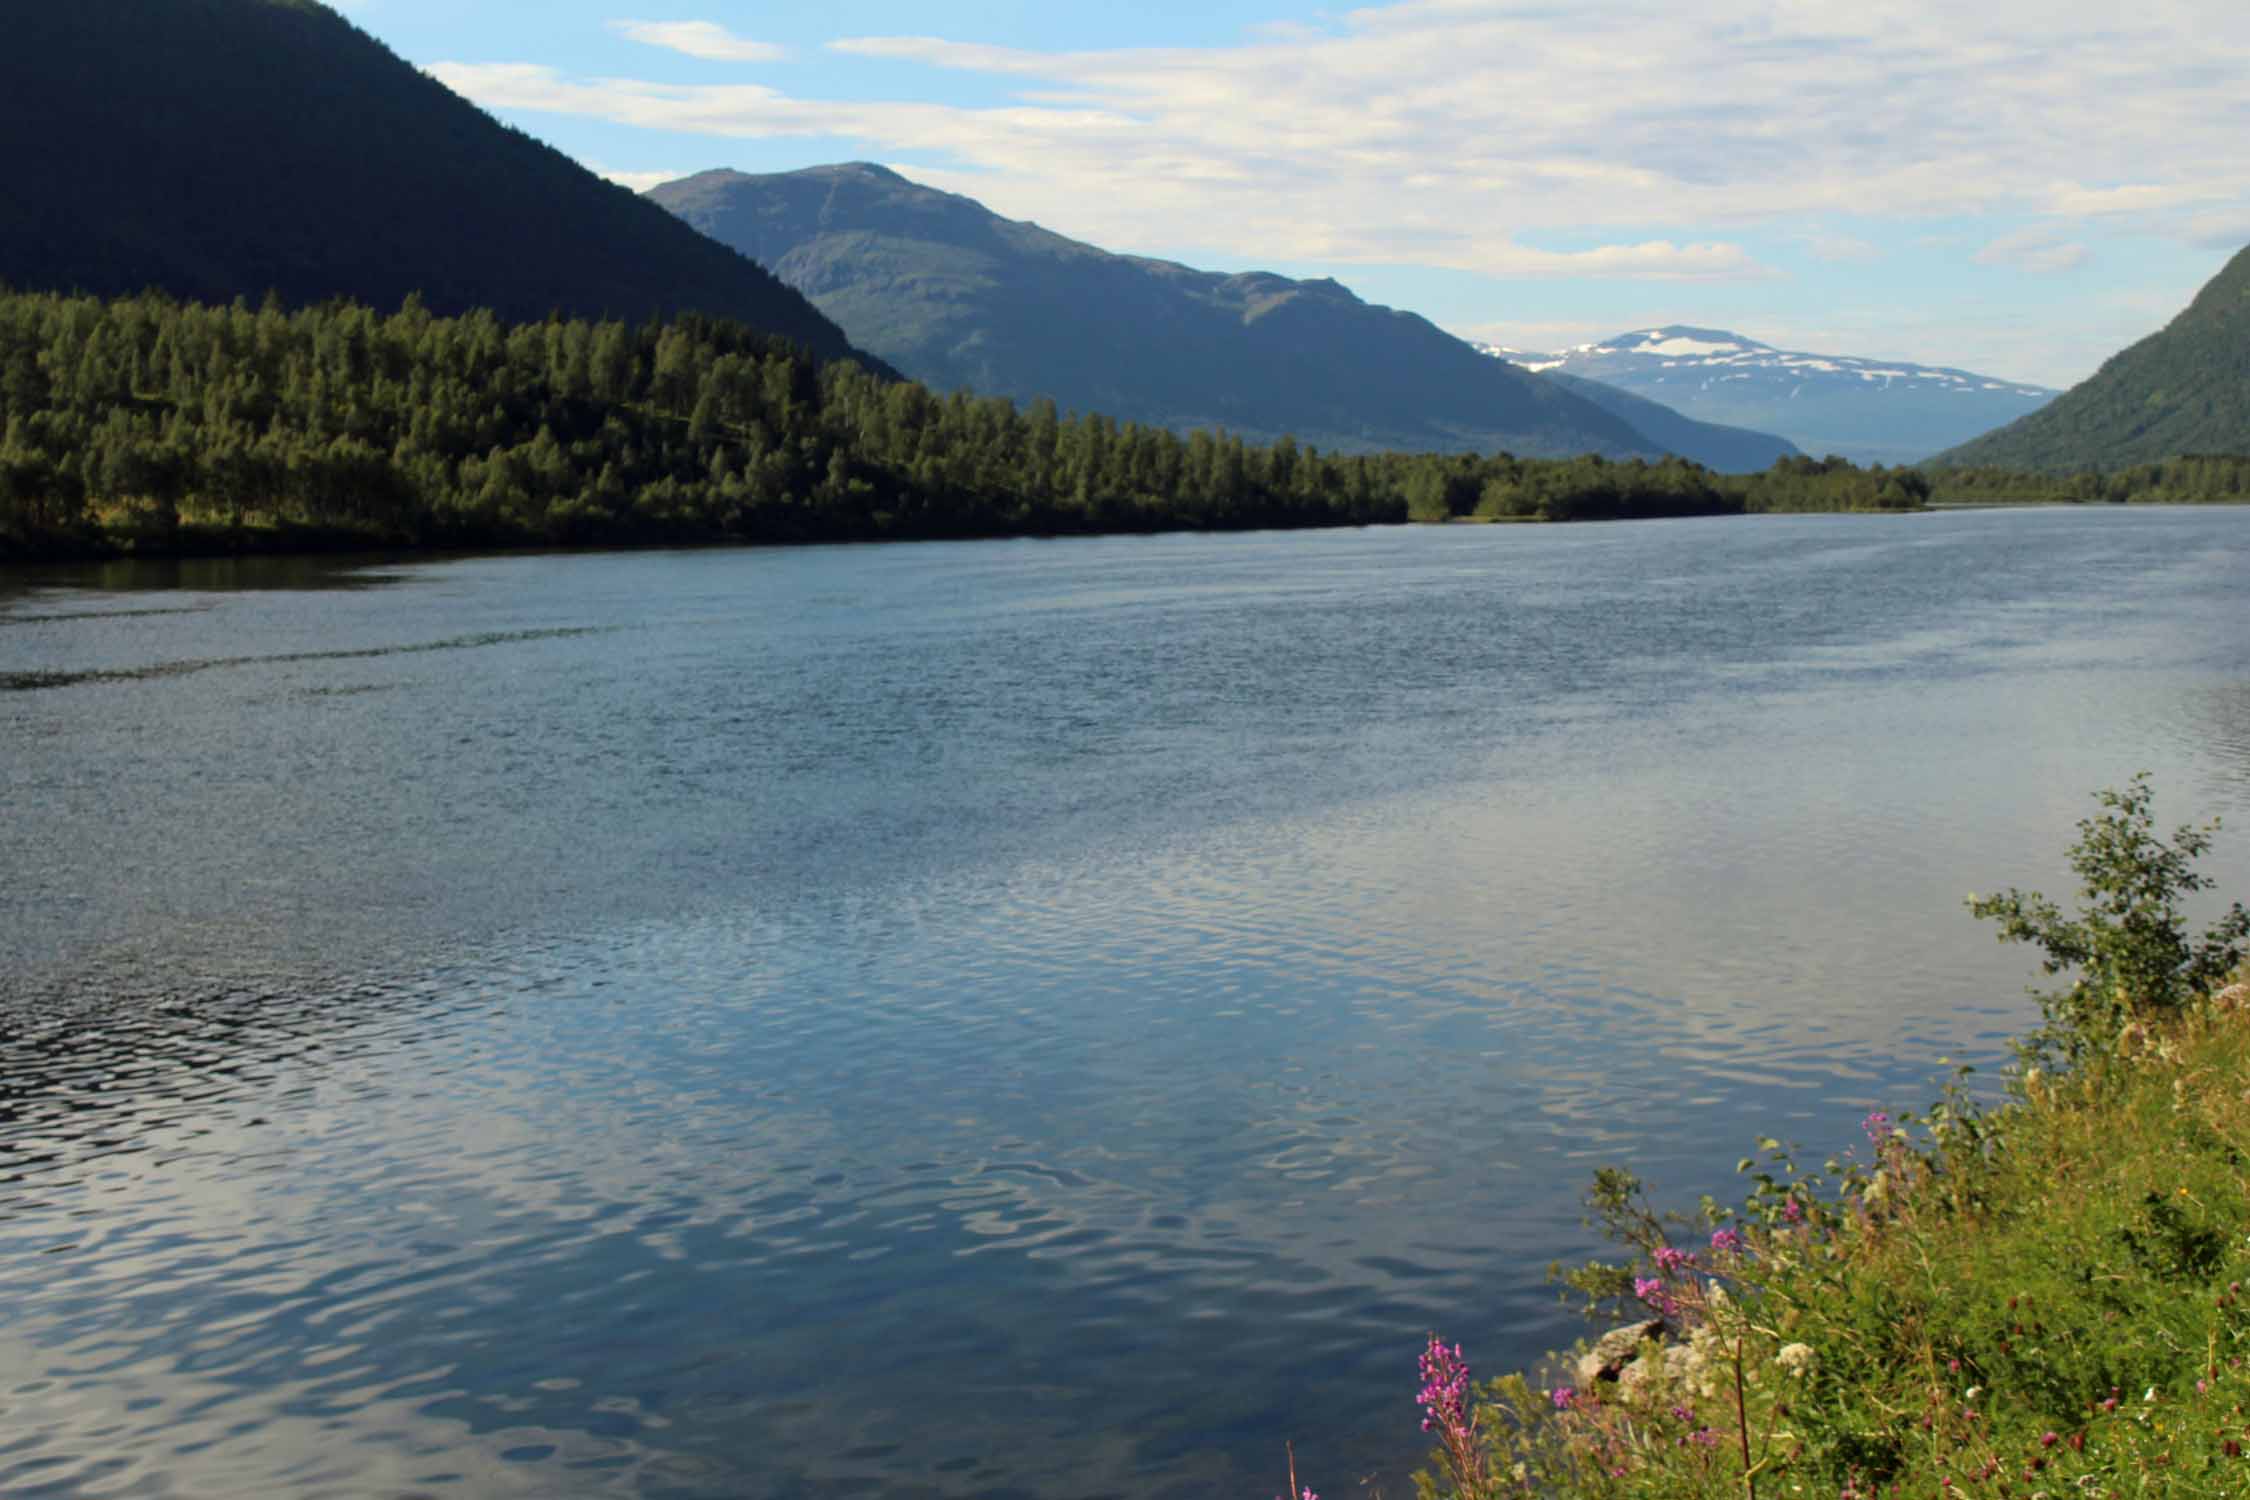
x: 2129, y: 942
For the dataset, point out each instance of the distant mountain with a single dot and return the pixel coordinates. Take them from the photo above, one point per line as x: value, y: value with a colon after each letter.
x: 220, y: 148
x: 955, y: 295
x: 2182, y: 390
x: 1730, y: 450
x: 1869, y: 411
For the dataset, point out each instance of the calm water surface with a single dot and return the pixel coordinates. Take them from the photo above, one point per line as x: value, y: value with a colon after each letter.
x: 1019, y: 1018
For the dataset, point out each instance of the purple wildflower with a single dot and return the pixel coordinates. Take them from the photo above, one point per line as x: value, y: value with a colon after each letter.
x: 1650, y: 1289
x: 1877, y: 1126
x: 1792, y: 1210
x: 1669, y: 1260
x: 1726, y: 1241
x: 1444, y: 1396
x: 1565, y: 1398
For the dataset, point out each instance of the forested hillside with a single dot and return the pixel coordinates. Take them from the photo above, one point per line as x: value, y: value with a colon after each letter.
x: 2183, y: 390
x: 147, y: 423
x: 955, y: 295
x: 226, y: 148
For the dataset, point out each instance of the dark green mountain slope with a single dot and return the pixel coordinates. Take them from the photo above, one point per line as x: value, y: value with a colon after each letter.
x: 222, y: 148
x: 1730, y: 450
x: 956, y: 296
x: 2183, y: 390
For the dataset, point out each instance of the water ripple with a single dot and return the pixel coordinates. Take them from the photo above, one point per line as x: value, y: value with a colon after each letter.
x: 1012, y: 1019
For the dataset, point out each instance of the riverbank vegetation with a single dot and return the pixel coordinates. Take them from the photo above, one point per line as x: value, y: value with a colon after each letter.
x: 148, y: 425
x: 2197, y: 479
x: 2050, y: 1296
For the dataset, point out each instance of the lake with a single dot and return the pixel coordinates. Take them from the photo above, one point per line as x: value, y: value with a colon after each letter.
x: 1033, y: 1018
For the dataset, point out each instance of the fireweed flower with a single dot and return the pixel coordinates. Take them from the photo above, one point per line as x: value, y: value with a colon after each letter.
x: 1877, y: 1126
x: 1792, y: 1210
x: 1445, y: 1406
x: 1650, y: 1289
x: 1727, y: 1241
x: 1444, y: 1396
x: 1565, y: 1398
x: 1669, y: 1260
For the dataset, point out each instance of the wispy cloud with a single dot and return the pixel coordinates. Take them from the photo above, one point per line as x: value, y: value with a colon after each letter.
x: 2221, y: 229
x: 2036, y: 249
x: 1464, y: 133
x: 705, y: 39
x: 639, y: 182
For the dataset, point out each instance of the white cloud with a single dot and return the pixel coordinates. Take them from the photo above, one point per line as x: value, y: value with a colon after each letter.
x: 1461, y: 132
x: 1145, y: 177
x: 705, y: 39
x: 639, y: 182
x: 2221, y: 229
x: 1648, y: 260
x: 2037, y: 249
x: 2133, y: 198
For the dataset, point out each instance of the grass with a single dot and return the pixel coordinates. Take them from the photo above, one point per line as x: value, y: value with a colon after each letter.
x: 2047, y: 1298
x: 2040, y: 1299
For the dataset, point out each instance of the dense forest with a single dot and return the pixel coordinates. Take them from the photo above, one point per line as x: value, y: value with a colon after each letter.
x: 2193, y: 479
x: 159, y: 425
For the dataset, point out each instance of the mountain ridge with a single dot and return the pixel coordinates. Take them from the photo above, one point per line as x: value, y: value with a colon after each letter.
x: 271, y: 145
x: 958, y: 296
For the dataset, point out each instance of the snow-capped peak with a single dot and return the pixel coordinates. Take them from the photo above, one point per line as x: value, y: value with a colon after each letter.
x: 1871, y: 410
x: 1680, y: 351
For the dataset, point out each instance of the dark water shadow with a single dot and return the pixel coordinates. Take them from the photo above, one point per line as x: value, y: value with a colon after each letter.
x: 24, y: 584
x: 24, y: 682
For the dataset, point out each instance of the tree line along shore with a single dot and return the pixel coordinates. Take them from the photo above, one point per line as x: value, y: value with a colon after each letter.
x: 148, y: 425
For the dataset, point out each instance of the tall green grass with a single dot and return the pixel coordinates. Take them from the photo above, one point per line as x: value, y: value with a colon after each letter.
x: 2043, y: 1298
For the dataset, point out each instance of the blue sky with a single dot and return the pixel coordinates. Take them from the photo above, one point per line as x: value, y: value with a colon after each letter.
x: 2015, y: 188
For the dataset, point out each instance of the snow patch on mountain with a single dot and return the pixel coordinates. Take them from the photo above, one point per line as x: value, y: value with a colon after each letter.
x: 1883, y: 411
x: 1676, y: 348
x: 1680, y: 348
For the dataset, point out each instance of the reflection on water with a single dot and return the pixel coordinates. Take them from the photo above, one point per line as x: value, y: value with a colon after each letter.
x: 1007, y: 1019
x: 206, y: 575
